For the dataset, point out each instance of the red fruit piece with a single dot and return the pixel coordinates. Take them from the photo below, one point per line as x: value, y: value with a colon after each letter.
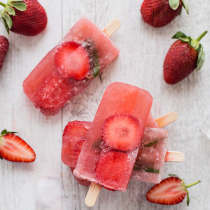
x: 13, y: 148
x: 180, y: 61
x: 55, y: 92
x: 72, y: 60
x: 122, y: 132
x: 112, y: 169
x: 159, y: 13
x: 81, y: 181
x: 170, y: 191
x: 27, y: 17
x: 4, y: 46
x: 74, y: 136
x: 183, y: 57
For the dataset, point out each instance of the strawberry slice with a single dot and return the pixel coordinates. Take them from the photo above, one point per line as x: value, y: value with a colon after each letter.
x: 112, y: 169
x: 74, y: 136
x: 14, y: 149
x: 72, y: 60
x: 122, y: 132
x: 170, y: 191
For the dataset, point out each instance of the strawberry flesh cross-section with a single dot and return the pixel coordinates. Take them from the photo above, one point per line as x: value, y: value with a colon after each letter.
x: 110, y: 167
x: 72, y: 60
x: 122, y: 132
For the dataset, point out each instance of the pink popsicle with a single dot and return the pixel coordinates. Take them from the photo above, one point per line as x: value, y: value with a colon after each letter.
x: 48, y: 89
x: 150, y: 162
x: 122, y: 115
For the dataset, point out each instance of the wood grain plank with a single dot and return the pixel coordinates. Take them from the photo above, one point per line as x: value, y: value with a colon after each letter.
x: 140, y: 62
x: 18, y: 180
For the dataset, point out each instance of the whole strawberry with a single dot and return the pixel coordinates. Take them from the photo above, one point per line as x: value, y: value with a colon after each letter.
x: 159, y: 13
x: 27, y: 17
x: 184, y: 56
x: 170, y: 191
x: 4, y: 46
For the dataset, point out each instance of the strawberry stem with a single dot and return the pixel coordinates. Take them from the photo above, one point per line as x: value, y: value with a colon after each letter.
x: 2, y: 4
x: 201, y: 36
x: 190, y: 185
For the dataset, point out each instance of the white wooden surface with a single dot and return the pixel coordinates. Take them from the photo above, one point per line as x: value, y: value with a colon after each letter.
x: 143, y: 49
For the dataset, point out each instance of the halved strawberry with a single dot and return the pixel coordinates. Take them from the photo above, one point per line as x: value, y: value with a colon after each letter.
x: 170, y: 191
x: 112, y: 169
x: 74, y: 136
x: 122, y: 132
x: 72, y: 60
x: 14, y: 149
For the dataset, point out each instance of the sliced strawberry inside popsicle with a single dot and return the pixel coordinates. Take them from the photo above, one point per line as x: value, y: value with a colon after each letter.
x: 72, y: 60
x: 110, y: 168
x: 122, y: 132
x: 73, y: 139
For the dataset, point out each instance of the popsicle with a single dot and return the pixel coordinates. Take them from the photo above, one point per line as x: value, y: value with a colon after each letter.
x: 152, y: 155
x: 111, y: 147
x: 75, y: 133
x: 69, y: 68
x: 150, y: 162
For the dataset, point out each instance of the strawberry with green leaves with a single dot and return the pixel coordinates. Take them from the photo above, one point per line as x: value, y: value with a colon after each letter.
x: 159, y: 13
x: 184, y: 56
x: 15, y: 149
x: 27, y: 17
x: 170, y: 191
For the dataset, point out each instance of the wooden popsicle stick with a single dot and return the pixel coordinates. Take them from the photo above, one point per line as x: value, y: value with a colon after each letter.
x: 95, y: 189
x: 174, y: 156
x: 112, y: 27
x: 171, y: 156
x: 166, y: 119
x: 92, y: 194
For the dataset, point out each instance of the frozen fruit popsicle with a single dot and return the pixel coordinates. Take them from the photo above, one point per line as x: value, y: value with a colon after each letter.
x: 152, y: 155
x: 150, y: 162
x: 68, y: 69
x: 76, y: 132
x: 111, y: 147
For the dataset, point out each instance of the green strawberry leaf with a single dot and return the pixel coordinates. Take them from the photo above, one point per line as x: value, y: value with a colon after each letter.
x: 10, y: 10
x: 178, y: 35
x: 184, y: 39
x: 19, y: 6
x: 188, y: 199
x: 186, y: 7
x: 174, y: 4
x: 1, y: 157
x: 4, y: 132
x: 180, y: 12
x: 151, y: 170
x: 5, y: 24
x: 201, y: 59
x: 8, y: 20
x: 89, y: 46
x: 153, y: 142
x: 96, y: 67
